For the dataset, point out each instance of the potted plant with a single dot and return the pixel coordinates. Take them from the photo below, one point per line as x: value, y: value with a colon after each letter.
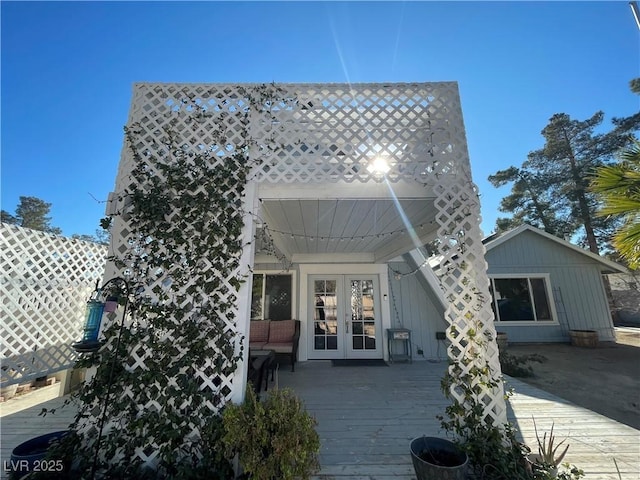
x: 584, y: 338
x: 492, y: 448
x: 437, y: 458
x: 274, y: 439
x: 547, y: 459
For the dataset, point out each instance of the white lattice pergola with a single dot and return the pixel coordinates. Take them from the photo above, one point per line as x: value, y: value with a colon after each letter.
x: 323, y: 138
x: 46, y: 282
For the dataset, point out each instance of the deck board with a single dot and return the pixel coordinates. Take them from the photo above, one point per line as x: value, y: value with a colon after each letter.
x: 367, y: 417
x: 19, y: 427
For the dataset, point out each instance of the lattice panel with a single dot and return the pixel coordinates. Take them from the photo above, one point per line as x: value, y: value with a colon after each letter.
x: 341, y: 129
x: 318, y: 134
x: 46, y: 281
x: 465, y: 283
x: 321, y: 133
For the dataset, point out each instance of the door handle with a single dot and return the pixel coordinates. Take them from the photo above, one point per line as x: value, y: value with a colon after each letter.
x: 346, y: 326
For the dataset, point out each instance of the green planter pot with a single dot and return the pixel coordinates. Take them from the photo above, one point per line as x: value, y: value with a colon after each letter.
x: 438, y: 459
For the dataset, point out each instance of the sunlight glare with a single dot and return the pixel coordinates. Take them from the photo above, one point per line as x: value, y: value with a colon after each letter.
x: 379, y: 166
x: 412, y: 232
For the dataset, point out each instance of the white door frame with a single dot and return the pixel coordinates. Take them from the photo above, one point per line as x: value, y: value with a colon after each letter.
x: 381, y: 270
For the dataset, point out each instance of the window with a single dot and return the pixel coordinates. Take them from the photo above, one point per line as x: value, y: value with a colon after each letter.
x: 521, y: 299
x: 271, y: 297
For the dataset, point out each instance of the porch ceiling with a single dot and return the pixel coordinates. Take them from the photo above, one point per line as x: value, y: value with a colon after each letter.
x: 379, y: 227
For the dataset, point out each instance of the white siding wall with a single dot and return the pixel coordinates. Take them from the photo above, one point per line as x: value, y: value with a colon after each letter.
x: 576, y: 283
x: 416, y: 307
x: 417, y: 311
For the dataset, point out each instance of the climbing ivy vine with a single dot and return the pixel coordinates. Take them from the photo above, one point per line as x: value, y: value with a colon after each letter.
x: 162, y: 375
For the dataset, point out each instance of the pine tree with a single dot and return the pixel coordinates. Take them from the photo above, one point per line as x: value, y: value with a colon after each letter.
x: 32, y: 213
x: 551, y: 188
x: 527, y: 202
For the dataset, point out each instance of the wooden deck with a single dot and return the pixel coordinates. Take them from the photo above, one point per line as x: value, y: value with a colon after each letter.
x: 368, y: 415
x: 20, y: 426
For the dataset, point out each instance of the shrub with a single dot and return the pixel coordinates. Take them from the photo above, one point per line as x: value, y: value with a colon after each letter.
x: 518, y: 365
x: 274, y: 440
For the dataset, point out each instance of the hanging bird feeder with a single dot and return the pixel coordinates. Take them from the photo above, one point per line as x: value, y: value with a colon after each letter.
x: 92, y: 321
x: 93, y: 317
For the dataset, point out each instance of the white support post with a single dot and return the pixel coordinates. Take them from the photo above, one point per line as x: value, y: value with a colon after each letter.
x: 463, y: 274
x: 250, y: 204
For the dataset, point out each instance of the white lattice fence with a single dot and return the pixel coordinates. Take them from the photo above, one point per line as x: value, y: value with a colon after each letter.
x: 45, y: 283
x: 320, y: 134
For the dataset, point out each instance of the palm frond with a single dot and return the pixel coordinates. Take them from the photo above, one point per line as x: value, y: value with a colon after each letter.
x: 620, y: 206
x: 627, y: 242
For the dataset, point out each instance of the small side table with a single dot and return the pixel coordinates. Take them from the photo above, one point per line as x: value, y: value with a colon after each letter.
x: 403, y: 335
x: 260, y: 362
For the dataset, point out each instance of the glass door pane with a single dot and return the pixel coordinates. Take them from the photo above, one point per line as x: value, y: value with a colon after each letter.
x: 325, y: 315
x: 363, y: 325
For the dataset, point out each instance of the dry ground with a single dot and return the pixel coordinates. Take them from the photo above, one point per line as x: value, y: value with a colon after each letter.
x: 604, y: 379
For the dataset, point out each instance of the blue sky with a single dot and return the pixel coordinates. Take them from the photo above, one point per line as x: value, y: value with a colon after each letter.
x: 68, y: 69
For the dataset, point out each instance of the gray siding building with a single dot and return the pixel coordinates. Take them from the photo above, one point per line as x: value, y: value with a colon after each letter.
x: 544, y: 286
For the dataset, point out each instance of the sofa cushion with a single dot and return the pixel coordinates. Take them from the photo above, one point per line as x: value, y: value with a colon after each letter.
x: 282, y: 331
x: 257, y: 345
x: 279, y: 347
x: 259, y: 331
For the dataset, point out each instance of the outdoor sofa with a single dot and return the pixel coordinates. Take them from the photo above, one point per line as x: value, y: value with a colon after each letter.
x: 281, y: 336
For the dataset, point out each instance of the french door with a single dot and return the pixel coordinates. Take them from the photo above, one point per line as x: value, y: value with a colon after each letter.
x: 344, y: 317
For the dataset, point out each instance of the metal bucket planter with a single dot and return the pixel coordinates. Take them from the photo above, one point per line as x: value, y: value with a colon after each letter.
x: 438, y: 459
x: 502, y: 340
x: 584, y: 338
x: 30, y: 456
